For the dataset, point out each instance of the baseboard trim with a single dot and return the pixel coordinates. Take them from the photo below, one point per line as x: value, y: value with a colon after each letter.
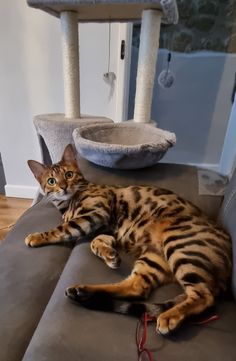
x: 18, y: 191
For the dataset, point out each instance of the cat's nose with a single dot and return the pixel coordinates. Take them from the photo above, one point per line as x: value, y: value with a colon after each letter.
x: 64, y: 188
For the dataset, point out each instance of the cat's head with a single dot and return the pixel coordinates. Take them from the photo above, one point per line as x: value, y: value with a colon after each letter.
x: 61, y: 180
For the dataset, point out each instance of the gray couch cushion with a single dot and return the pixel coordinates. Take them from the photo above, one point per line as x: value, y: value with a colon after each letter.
x: 27, y: 279
x: 28, y: 276
x: 181, y: 179
x: 70, y: 332
x: 228, y: 218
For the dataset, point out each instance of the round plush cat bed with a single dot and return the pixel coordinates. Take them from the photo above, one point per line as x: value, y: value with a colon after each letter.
x: 124, y: 145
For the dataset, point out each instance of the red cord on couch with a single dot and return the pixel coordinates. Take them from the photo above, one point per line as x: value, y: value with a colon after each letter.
x: 144, y: 354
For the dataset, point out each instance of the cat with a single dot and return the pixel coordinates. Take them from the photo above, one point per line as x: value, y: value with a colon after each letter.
x: 171, y: 239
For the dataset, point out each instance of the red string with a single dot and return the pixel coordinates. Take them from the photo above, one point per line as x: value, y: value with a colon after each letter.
x: 142, y: 340
x: 147, y: 318
x: 206, y: 321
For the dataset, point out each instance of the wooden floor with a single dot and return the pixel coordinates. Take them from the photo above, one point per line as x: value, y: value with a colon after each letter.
x: 10, y: 210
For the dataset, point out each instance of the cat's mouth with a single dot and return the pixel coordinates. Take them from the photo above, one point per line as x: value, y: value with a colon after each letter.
x: 64, y: 196
x: 61, y: 196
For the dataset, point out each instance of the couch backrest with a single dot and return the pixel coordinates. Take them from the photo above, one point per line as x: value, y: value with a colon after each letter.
x: 228, y: 218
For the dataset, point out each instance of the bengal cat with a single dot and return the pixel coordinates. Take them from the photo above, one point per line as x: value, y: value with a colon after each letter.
x: 172, y: 240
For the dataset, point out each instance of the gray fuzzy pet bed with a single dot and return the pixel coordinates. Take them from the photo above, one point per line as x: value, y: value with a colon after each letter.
x: 124, y: 145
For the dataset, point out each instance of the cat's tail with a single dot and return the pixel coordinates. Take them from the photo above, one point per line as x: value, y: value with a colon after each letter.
x: 138, y: 308
x: 104, y: 302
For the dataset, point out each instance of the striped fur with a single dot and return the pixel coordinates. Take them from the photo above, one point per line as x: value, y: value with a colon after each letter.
x: 171, y: 239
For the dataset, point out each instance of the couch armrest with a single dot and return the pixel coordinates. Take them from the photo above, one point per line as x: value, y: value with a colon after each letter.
x: 227, y: 217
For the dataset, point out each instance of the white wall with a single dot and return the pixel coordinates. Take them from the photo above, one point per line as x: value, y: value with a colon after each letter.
x: 30, y: 83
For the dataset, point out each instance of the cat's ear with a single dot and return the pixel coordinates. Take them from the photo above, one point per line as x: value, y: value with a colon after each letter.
x: 37, y: 168
x: 69, y: 155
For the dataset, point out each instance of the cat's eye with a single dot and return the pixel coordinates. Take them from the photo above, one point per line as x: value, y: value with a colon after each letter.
x: 69, y: 174
x: 51, y: 181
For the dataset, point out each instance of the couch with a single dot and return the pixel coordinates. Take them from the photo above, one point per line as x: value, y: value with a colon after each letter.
x: 37, y: 321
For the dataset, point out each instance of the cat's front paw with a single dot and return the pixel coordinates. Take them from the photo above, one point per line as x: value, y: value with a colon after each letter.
x: 34, y: 240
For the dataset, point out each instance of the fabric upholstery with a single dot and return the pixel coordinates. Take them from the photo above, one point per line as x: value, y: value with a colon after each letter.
x: 109, y: 10
x: 27, y: 279
x: 228, y: 218
x: 29, y: 276
x: 68, y: 331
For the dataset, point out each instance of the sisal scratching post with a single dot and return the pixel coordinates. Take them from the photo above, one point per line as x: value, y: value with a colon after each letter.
x: 56, y: 129
x: 70, y: 54
x: 148, y: 48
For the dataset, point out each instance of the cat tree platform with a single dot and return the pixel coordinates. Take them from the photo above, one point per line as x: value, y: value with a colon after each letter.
x: 122, y: 146
x: 108, y: 10
x: 56, y: 130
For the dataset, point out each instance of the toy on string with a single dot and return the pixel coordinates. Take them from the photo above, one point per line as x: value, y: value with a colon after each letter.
x: 166, y: 77
x: 109, y: 77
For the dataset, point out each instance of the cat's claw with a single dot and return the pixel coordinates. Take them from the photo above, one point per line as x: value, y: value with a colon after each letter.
x: 112, y: 258
x: 114, y: 262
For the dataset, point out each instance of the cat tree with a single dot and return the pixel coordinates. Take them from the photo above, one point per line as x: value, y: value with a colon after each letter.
x: 140, y: 144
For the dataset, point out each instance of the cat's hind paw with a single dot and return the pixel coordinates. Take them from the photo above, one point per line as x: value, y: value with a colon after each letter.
x: 34, y: 240
x: 168, y: 322
x: 89, y: 299
x: 76, y: 293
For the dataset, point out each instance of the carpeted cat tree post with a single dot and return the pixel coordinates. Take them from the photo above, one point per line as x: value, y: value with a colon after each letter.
x: 148, y: 144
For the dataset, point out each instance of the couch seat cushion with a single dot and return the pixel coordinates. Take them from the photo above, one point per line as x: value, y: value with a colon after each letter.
x: 68, y: 331
x: 181, y: 179
x: 27, y: 279
x: 28, y: 276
